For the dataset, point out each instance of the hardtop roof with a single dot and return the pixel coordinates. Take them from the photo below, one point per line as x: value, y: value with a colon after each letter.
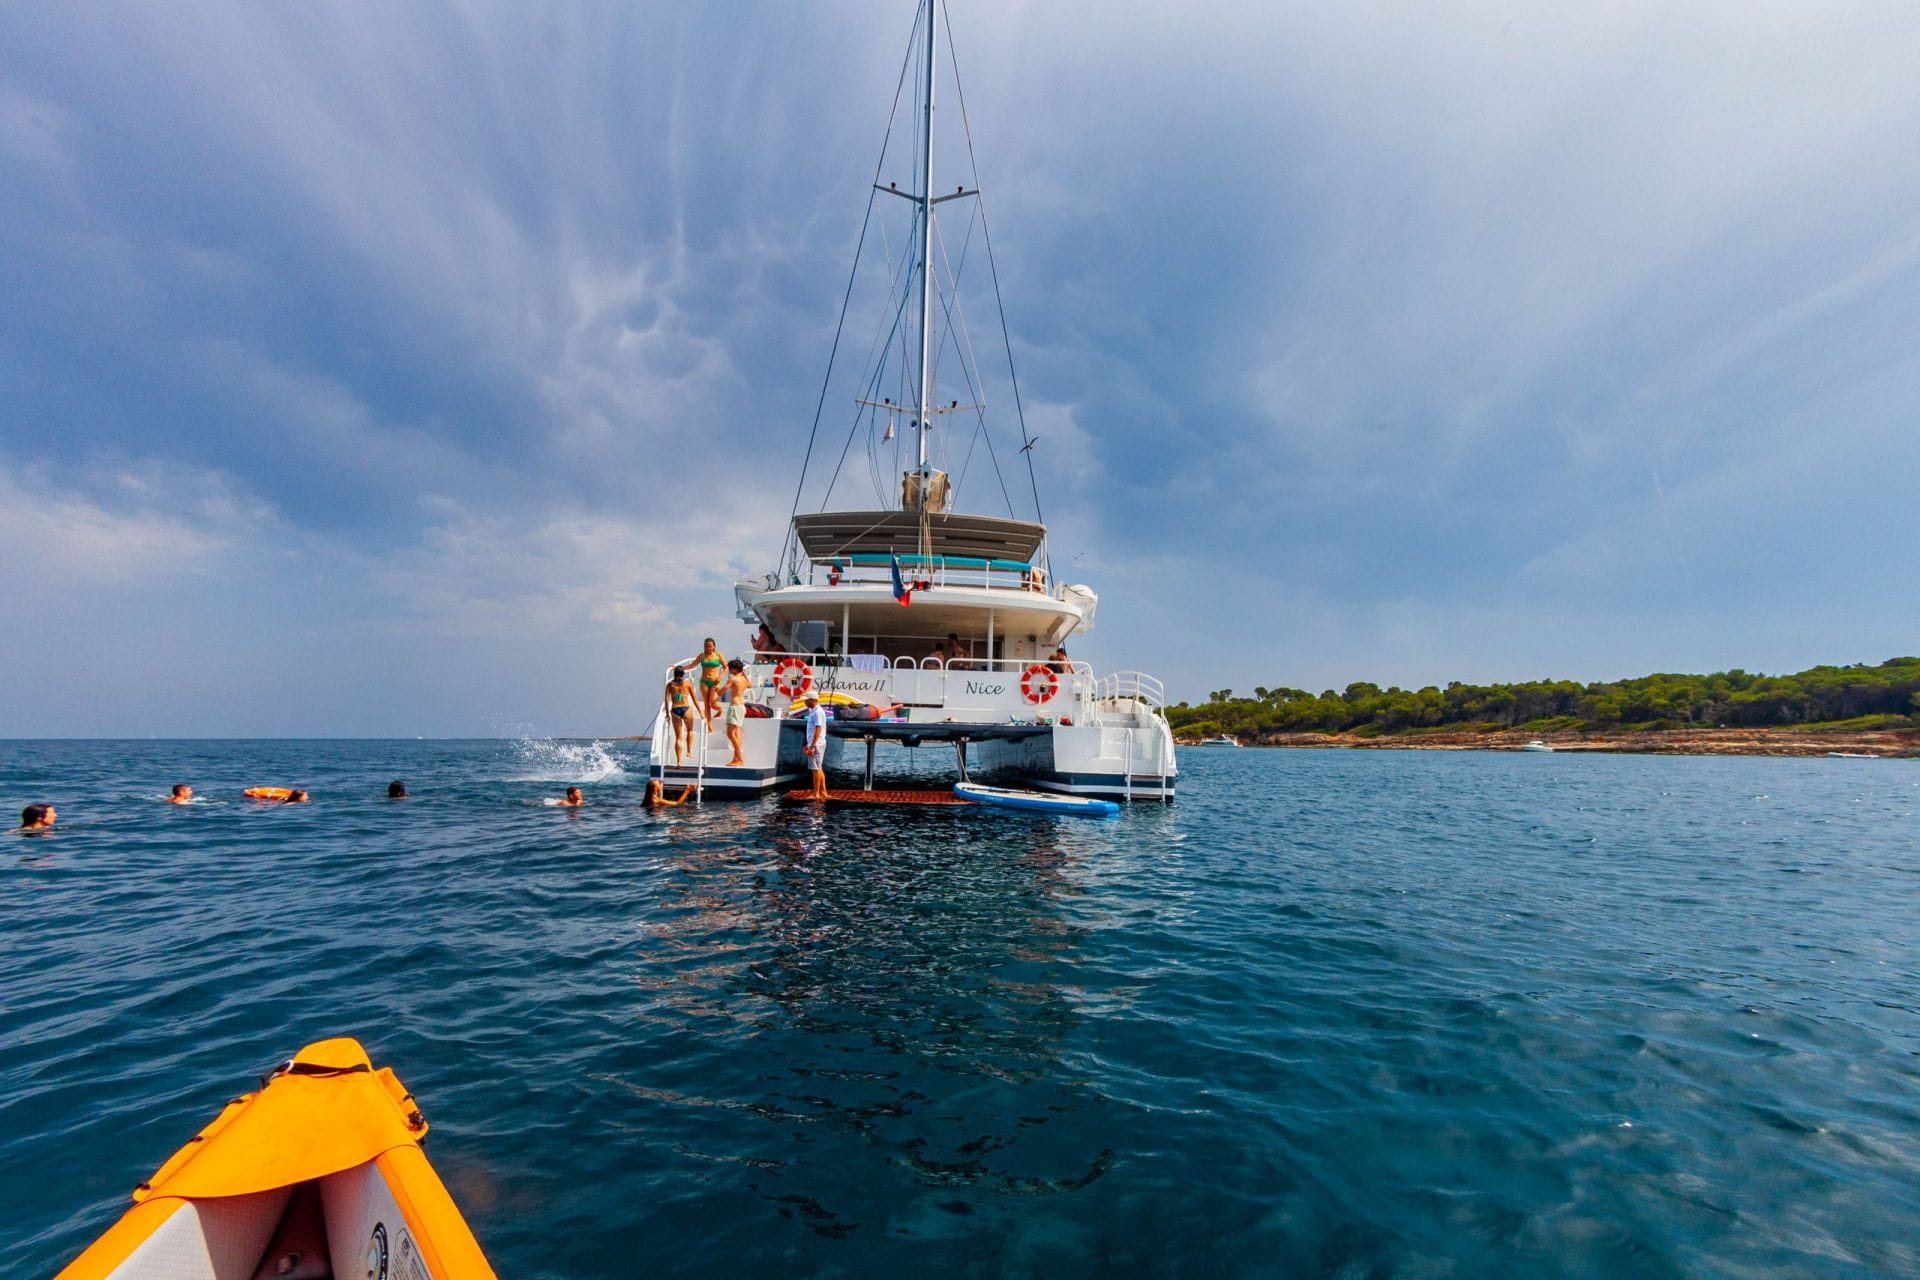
x: 842, y: 533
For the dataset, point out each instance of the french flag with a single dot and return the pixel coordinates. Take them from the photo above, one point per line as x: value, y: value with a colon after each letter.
x: 901, y: 591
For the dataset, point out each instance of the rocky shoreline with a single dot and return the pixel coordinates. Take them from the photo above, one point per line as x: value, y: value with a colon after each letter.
x: 1888, y: 743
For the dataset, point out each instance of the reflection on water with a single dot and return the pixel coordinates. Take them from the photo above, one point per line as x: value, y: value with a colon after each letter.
x: 890, y: 978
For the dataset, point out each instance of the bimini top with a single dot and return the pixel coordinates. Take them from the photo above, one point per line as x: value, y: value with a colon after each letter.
x: 827, y: 534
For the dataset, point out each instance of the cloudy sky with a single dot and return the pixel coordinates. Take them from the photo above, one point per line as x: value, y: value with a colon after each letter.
x: 415, y: 369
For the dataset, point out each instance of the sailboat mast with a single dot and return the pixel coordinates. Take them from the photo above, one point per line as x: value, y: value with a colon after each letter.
x: 926, y: 238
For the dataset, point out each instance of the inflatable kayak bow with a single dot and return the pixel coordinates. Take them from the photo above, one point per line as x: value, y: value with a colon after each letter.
x: 318, y: 1175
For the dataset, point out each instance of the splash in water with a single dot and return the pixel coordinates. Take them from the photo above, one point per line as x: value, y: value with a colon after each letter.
x: 562, y: 760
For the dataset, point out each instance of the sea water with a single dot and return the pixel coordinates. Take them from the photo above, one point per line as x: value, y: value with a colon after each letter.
x: 1365, y: 1013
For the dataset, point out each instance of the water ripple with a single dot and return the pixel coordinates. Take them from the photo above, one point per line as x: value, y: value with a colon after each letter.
x: 1336, y: 1013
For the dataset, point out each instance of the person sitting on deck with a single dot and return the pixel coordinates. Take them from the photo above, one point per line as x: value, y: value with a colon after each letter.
x: 957, y: 653
x: 1058, y: 660
x: 763, y: 641
x: 940, y: 652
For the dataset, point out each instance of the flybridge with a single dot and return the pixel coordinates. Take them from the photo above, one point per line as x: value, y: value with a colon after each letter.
x: 826, y: 535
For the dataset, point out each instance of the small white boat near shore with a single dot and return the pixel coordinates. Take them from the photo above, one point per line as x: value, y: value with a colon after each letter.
x: 1536, y: 745
x: 1220, y: 740
x: 1852, y: 755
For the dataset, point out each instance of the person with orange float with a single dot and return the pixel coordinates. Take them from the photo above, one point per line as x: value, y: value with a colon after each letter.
x: 280, y: 795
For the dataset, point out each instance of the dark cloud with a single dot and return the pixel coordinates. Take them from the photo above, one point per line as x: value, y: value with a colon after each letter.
x: 1568, y: 339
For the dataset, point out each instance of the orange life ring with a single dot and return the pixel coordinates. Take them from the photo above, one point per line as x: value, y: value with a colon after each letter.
x: 1039, y: 684
x: 783, y: 681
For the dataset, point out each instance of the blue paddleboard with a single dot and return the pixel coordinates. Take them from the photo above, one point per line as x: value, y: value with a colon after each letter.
x: 1039, y: 800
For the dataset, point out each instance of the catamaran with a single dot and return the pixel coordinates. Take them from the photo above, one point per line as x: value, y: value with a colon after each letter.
x: 922, y: 624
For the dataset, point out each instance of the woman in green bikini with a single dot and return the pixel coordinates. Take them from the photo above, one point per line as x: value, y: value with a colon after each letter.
x: 713, y: 674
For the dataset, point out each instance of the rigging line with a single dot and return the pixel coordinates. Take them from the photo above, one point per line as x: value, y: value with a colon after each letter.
x: 882, y: 335
x: 958, y: 268
x: 868, y: 389
x: 973, y: 391
x: 834, y: 479
x: 993, y: 266
x: 873, y: 457
x: 847, y: 297
x: 874, y: 369
x: 967, y: 355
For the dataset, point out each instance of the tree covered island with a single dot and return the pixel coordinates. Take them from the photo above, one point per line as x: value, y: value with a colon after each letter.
x: 1730, y: 706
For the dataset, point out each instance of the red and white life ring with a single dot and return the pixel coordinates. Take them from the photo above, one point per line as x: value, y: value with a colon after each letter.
x: 792, y: 677
x: 1039, y: 684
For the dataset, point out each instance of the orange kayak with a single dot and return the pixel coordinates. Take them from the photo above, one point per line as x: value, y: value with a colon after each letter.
x: 317, y: 1175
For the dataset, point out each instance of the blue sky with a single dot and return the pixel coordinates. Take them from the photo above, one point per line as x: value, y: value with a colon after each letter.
x: 432, y: 370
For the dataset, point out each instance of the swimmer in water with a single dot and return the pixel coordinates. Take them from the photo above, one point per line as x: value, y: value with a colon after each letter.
x: 182, y: 794
x: 656, y: 794
x: 295, y: 796
x: 396, y: 790
x: 38, y: 817
x: 574, y: 799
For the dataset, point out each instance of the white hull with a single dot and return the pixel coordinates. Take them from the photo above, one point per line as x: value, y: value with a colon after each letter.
x: 1118, y: 746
